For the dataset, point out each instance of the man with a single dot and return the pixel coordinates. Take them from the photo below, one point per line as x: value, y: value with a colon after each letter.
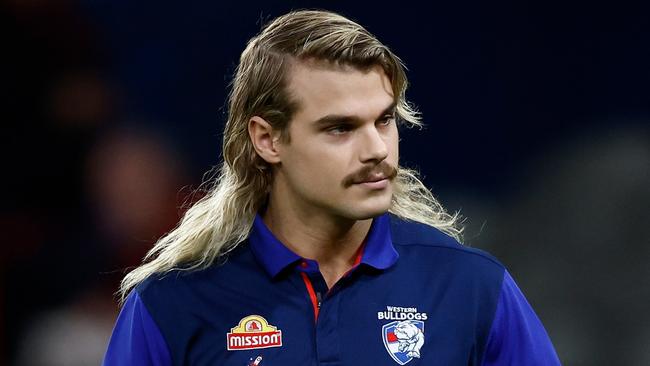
x: 314, y: 246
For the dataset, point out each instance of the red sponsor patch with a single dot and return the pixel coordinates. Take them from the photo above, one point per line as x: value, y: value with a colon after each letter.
x: 253, y: 332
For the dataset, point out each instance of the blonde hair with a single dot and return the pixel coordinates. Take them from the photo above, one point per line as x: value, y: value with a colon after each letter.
x: 222, y: 219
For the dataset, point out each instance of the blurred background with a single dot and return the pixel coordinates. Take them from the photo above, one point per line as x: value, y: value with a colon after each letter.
x: 538, y: 131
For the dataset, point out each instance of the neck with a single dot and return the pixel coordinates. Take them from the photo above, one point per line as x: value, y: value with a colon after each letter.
x: 330, y: 240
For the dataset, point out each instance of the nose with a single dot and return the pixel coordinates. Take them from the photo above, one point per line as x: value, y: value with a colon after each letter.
x: 373, y: 147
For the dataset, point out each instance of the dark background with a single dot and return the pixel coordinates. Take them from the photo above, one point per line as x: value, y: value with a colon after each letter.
x: 538, y: 131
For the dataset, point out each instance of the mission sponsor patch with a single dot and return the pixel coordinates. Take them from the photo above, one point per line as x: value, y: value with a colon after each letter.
x: 253, y: 332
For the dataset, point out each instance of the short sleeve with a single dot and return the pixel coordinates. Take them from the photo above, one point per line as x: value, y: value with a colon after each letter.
x: 136, y: 339
x: 517, y: 336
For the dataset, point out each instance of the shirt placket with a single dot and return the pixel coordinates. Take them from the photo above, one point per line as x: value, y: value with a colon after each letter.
x: 325, y: 303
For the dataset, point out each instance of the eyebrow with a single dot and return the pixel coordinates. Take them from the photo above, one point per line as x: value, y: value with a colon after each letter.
x: 339, y: 118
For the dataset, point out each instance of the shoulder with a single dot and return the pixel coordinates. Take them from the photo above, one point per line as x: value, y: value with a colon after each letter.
x: 175, y: 288
x: 168, y: 292
x: 411, y: 236
x: 468, y: 281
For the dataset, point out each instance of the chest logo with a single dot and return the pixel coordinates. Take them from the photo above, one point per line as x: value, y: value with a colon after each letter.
x: 253, y: 332
x: 255, y: 362
x: 404, y: 337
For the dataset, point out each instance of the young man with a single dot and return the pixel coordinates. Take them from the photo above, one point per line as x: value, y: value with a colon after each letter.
x: 314, y: 246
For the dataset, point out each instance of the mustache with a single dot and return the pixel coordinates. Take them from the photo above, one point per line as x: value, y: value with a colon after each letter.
x: 368, y: 172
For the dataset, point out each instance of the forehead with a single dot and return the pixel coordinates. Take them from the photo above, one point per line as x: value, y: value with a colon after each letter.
x: 322, y: 88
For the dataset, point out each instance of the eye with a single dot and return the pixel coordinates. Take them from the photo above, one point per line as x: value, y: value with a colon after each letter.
x: 339, y: 129
x: 386, y: 120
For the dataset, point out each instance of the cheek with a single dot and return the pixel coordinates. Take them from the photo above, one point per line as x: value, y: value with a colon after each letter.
x: 315, y: 170
x: 395, y: 147
x: 392, y: 142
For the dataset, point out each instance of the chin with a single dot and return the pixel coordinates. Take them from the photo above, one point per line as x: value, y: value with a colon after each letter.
x: 369, y: 210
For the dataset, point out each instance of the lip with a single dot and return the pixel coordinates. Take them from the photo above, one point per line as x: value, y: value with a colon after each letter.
x: 375, y: 184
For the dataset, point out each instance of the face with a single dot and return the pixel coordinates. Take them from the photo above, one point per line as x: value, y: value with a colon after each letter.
x: 342, y: 153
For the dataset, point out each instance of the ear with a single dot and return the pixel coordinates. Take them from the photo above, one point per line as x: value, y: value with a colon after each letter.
x: 265, y: 139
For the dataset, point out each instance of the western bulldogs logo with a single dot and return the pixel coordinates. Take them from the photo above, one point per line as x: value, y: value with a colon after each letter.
x: 403, y: 339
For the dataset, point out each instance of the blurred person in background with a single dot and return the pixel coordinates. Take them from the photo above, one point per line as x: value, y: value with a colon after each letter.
x: 297, y: 220
x: 132, y: 180
x: 587, y: 199
x: 58, y: 99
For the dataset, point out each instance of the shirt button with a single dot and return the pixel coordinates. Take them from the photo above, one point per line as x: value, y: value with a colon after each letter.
x: 303, y: 264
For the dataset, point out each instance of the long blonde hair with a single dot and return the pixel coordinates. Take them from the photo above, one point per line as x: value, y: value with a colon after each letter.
x: 222, y: 219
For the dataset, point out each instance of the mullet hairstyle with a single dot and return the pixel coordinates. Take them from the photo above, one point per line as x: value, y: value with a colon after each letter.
x: 223, y: 218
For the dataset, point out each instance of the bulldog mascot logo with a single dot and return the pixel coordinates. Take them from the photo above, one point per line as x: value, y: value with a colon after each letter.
x: 403, y: 339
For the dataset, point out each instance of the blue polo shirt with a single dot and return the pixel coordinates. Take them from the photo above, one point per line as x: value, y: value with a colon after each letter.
x: 414, y: 296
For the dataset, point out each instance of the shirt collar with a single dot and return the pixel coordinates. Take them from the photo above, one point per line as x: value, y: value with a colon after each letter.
x: 378, y: 250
